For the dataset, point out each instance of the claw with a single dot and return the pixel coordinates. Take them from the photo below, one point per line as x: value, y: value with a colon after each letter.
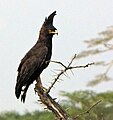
x: 35, y: 90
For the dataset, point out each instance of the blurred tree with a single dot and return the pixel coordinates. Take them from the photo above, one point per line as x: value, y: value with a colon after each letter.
x: 74, y: 103
x: 36, y: 115
x: 80, y: 101
x: 102, y: 45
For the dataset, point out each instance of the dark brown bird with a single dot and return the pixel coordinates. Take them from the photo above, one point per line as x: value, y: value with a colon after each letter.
x: 36, y: 59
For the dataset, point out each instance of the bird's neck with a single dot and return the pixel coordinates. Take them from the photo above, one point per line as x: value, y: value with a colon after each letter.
x: 45, y: 39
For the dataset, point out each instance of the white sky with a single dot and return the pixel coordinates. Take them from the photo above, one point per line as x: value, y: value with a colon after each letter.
x: 20, y: 22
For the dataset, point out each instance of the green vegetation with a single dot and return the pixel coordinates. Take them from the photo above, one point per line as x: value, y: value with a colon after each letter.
x: 81, y: 101
x: 37, y: 115
x: 75, y: 104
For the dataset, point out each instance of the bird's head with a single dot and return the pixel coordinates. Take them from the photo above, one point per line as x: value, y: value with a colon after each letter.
x: 47, y: 28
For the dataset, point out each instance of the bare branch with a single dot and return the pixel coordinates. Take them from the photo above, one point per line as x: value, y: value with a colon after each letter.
x: 82, y: 66
x: 88, y: 111
x: 50, y: 103
x: 66, y: 68
x: 109, y: 66
x: 59, y: 63
x: 109, y: 46
x: 72, y: 60
x: 102, y: 76
x: 93, y: 106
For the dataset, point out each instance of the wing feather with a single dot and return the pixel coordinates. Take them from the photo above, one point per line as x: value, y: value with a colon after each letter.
x: 32, y: 63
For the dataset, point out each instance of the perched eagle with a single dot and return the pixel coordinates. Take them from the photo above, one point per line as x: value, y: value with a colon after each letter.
x: 36, y: 59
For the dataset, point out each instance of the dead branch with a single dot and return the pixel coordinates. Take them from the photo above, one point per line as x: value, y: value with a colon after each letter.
x: 48, y: 101
x: 66, y: 68
x: 88, y: 111
x: 51, y: 104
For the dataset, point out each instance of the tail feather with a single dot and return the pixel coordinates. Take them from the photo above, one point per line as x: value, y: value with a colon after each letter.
x: 23, y: 96
x: 18, y: 90
x: 22, y: 81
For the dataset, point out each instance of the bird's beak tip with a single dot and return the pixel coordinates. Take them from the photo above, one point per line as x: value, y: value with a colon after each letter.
x: 56, y: 32
x: 53, y: 32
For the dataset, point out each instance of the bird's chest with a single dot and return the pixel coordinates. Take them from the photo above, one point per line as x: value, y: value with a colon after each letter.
x: 48, y: 57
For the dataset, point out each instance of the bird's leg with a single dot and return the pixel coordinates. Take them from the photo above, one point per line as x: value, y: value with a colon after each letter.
x: 39, y: 85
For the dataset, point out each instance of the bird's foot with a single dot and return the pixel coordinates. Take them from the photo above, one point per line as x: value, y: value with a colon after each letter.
x: 40, y: 88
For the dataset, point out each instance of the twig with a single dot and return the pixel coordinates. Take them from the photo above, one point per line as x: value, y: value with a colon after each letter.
x: 72, y: 60
x: 88, y: 111
x: 66, y: 68
x: 110, y: 64
x: 109, y: 46
x: 50, y: 102
x: 59, y: 63
x: 102, y: 115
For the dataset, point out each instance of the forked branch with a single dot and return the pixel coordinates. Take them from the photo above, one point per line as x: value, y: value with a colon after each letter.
x: 49, y: 102
x: 65, y: 69
x: 88, y: 111
x: 52, y: 105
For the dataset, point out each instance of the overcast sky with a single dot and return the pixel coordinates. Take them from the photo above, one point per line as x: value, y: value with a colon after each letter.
x: 20, y: 22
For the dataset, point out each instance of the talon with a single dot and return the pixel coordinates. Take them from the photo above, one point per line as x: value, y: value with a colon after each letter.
x: 35, y: 90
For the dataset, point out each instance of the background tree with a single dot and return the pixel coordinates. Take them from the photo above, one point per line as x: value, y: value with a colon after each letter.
x: 100, y: 46
x: 104, y: 42
x: 76, y: 104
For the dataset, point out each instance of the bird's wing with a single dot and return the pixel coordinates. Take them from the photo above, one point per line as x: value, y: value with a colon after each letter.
x: 31, y: 64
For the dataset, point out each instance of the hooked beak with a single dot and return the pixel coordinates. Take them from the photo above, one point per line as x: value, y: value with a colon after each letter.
x: 53, y: 32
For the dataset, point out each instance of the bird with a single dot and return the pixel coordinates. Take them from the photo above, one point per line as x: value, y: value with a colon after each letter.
x: 36, y: 59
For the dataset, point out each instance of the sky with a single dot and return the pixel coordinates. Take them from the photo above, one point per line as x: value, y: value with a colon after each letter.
x: 20, y: 22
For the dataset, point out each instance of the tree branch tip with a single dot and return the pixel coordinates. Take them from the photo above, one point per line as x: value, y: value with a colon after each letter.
x: 54, y: 98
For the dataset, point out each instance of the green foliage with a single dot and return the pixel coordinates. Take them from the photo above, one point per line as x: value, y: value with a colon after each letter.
x: 74, y: 104
x: 9, y: 116
x: 80, y: 101
x: 37, y: 115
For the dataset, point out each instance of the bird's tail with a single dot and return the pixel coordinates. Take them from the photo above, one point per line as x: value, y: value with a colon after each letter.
x: 18, y: 89
x: 23, y: 96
